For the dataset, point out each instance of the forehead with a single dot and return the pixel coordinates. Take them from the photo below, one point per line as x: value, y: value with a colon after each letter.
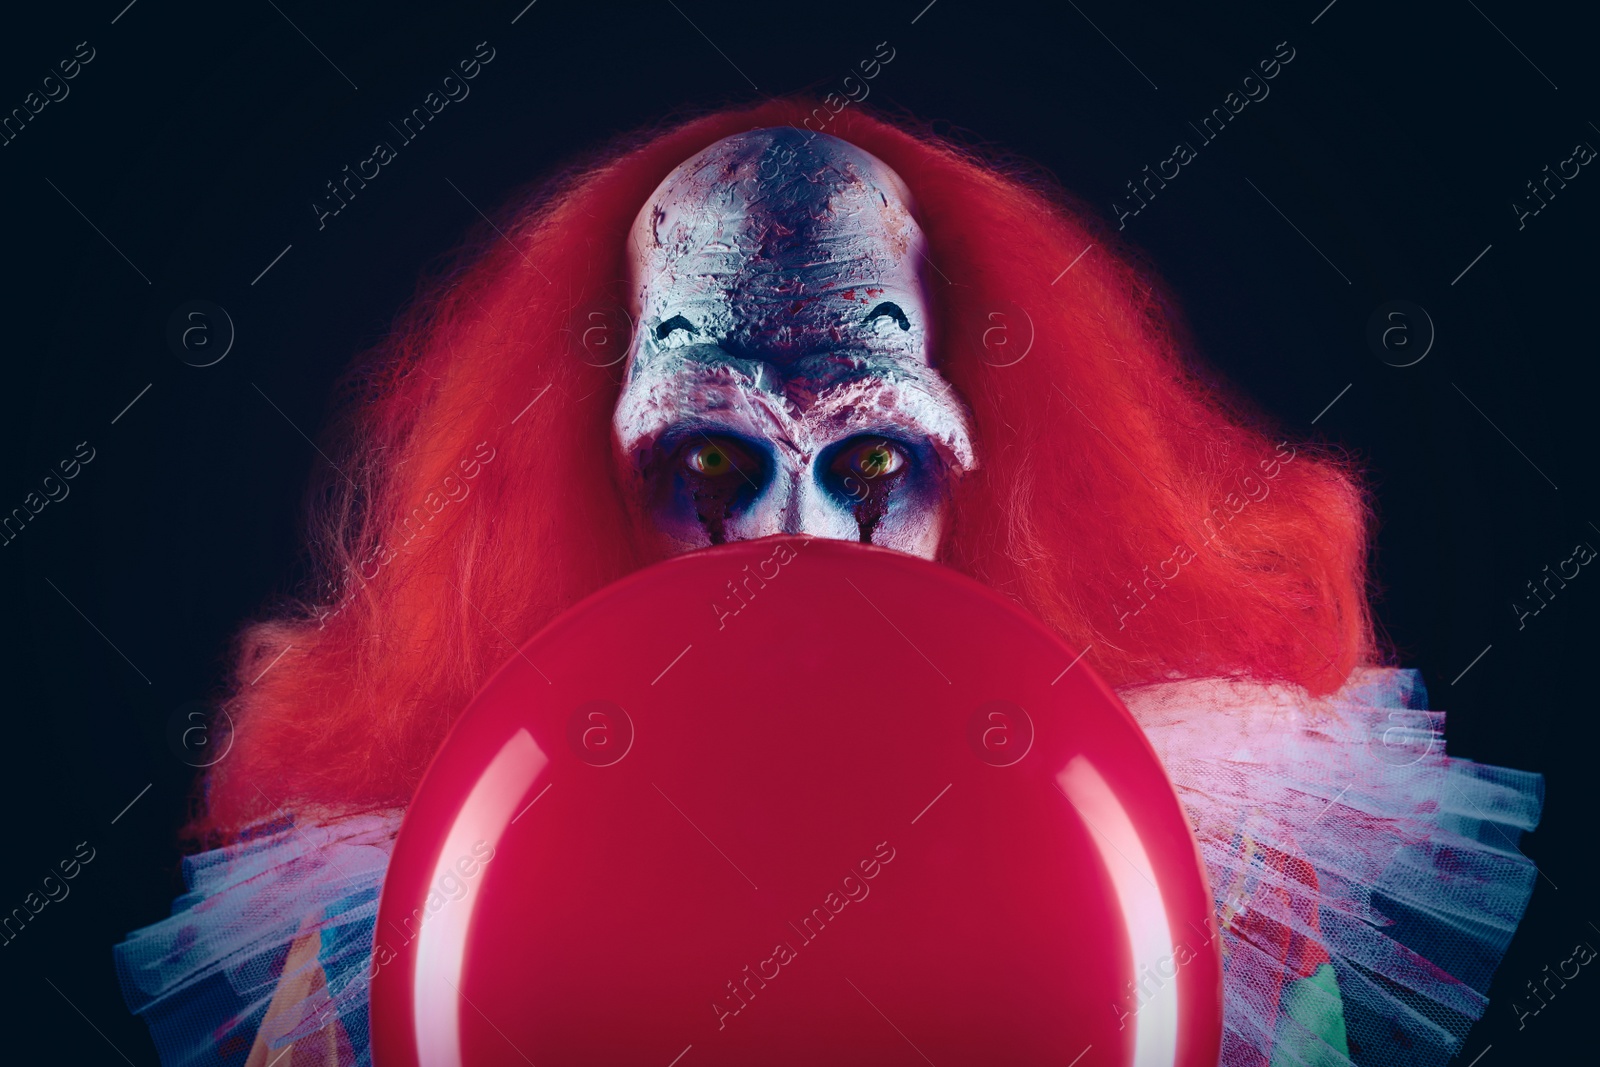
x: 775, y: 243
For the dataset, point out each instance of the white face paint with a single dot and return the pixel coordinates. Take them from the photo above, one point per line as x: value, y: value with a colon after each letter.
x: 779, y: 377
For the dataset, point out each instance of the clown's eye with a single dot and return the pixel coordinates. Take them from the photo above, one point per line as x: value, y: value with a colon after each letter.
x: 866, y: 473
x: 873, y: 459
x: 718, y: 477
x: 888, y: 310
x: 677, y: 322
x: 719, y: 458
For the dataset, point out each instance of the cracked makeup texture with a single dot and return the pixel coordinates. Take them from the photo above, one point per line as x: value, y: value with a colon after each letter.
x: 780, y: 378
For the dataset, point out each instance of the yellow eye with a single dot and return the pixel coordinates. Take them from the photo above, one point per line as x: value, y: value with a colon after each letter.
x: 876, y: 459
x: 714, y: 459
x: 708, y: 459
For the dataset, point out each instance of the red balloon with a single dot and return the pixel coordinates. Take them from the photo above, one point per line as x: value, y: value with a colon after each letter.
x: 796, y: 801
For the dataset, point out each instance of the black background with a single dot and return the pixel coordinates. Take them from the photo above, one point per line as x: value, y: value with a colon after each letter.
x: 197, y: 138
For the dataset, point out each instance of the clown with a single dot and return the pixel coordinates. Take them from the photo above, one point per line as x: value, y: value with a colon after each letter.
x: 737, y: 328
x: 782, y: 379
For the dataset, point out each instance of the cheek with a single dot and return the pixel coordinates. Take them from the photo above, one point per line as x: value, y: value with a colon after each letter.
x: 912, y: 521
x: 687, y: 516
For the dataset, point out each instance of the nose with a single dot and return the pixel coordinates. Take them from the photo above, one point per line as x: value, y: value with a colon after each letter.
x: 797, y: 502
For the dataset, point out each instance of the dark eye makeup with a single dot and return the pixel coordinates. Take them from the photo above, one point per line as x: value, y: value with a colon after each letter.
x: 865, y: 470
x: 720, y: 474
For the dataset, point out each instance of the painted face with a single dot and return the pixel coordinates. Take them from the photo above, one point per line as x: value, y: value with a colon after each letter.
x: 779, y: 377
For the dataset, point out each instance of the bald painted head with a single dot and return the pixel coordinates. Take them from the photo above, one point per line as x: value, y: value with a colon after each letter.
x: 779, y: 379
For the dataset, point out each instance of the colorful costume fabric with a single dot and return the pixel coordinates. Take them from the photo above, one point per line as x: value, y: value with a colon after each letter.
x: 1367, y: 884
x: 270, y: 947
x: 1366, y: 887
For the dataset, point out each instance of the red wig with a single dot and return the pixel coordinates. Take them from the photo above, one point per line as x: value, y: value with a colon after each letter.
x: 1118, y: 497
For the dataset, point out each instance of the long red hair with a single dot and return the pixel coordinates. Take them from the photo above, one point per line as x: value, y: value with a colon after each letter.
x: 1106, y: 466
